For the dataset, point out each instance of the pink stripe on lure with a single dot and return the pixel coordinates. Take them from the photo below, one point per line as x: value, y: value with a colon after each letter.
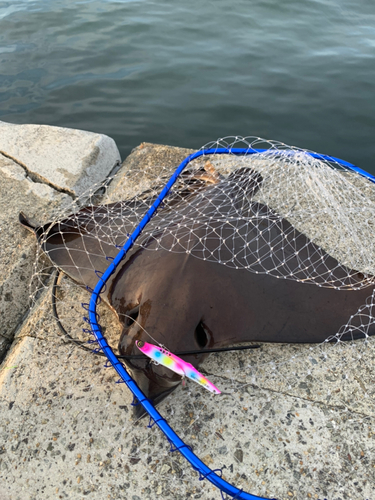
x: 176, y: 364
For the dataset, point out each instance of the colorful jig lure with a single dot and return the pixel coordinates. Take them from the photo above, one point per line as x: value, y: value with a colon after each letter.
x: 176, y: 364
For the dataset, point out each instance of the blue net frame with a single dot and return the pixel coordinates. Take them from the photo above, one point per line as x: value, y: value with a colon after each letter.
x: 214, y: 476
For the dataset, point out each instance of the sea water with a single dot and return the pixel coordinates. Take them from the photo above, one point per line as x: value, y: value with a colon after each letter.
x: 186, y: 72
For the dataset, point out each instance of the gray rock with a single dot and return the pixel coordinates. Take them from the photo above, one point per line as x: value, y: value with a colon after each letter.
x: 66, y: 159
x: 146, y: 158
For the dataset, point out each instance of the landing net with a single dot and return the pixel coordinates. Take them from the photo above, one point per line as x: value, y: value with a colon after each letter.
x: 269, y: 209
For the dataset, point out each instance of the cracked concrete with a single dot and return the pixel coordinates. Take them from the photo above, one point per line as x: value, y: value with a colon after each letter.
x: 68, y: 160
x: 35, y: 178
x: 291, y: 422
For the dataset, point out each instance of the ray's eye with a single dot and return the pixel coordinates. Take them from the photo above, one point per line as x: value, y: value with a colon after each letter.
x: 132, y: 316
x: 201, y: 336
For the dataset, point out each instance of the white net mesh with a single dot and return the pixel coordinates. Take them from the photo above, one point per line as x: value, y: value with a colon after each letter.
x: 280, y: 215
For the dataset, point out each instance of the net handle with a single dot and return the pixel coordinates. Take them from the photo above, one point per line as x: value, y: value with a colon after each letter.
x: 197, y: 464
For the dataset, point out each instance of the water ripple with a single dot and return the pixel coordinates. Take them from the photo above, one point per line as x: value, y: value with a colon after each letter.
x: 185, y: 73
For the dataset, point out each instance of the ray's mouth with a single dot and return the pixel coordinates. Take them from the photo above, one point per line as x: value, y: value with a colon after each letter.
x: 155, y: 381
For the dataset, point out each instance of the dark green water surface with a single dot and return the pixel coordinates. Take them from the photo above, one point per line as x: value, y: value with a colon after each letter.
x: 187, y: 72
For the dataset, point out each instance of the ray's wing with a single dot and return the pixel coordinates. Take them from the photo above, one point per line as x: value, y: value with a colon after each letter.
x: 80, y: 244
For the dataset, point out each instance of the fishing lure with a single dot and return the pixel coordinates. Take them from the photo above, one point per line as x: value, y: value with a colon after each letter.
x: 176, y: 364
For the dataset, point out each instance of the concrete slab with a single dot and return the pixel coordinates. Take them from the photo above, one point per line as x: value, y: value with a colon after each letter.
x: 67, y: 432
x: 146, y: 162
x: 67, y: 159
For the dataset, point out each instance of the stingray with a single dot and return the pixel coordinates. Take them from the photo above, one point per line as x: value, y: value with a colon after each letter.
x: 185, y: 300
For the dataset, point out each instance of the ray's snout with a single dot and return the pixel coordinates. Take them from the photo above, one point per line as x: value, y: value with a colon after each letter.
x: 155, y: 381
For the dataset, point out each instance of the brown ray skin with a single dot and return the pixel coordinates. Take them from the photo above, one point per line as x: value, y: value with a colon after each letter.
x: 186, y: 303
x: 172, y: 294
